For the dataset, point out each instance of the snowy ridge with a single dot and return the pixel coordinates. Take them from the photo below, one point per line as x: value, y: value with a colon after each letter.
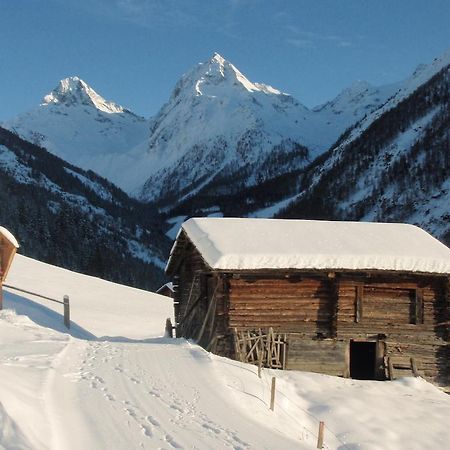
x: 402, y: 90
x: 23, y: 174
x: 393, y: 166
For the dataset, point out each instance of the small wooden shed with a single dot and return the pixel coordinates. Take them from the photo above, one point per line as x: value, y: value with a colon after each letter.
x: 8, y: 248
x: 362, y: 300
x: 166, y: 290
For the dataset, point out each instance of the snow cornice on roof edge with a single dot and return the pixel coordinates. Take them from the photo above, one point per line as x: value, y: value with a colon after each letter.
x: 9, y: 236
x: 229, y: 244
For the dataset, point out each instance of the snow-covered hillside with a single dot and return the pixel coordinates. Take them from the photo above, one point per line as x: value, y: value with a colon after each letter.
x: 78, y: 125
x: 112, y: 383
x: 393, y: 166
x: 399, y: 92
x: 76, y: 219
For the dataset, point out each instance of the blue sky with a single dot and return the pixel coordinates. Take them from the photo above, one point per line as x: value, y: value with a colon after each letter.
x: 134, y: 51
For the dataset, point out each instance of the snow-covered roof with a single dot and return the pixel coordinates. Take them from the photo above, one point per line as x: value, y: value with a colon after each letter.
x: 168, y: 285
x: 9, y: 236
x: 254, y: 244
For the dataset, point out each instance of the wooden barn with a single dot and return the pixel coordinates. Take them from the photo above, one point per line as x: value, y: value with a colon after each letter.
x: 361, y: 300
x: 8, y: 248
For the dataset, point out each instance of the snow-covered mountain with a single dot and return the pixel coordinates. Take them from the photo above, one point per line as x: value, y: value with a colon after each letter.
x: 223, y: 144
x: 314, y: 191
x: 78, y: 125
x: 355, y: 102
x: 393, y: 166
x: 219, y: 126
x: 216, y: 126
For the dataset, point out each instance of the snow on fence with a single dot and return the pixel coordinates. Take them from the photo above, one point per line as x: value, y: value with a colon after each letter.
x: 65, y: 302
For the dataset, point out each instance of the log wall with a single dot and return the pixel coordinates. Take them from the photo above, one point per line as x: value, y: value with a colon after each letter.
x: 407, y: 316
x: 323, y: 356
x: 190, y: 302
x: 200, y: 302
x: 298, y: 305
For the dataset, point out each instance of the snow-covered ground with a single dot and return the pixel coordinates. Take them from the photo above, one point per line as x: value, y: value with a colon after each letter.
x: 114, y: 383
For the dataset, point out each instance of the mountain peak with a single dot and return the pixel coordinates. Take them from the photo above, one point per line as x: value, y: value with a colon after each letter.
x: 217, y: 77
x: 72, y: 91
x: 359, y: 86
x: 218, y: 58
x: 218, y: 69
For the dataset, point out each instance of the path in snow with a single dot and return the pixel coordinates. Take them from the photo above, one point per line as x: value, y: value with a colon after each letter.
x: 157, y: 394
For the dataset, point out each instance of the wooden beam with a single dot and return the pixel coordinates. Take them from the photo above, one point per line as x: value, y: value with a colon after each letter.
x: 359, y: 303
x: 418, y: 313
x: 390, y: 369
x: 320, y: 435
x: 346, y: 373
x: 414, y: 367
x: 272, y: 394
x: 334, y: 292
x: 211, y: 307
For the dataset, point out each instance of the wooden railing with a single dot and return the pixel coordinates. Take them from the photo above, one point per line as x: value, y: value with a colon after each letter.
x: 65, y: 301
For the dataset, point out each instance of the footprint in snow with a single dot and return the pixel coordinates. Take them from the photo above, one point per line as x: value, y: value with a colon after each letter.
x: 171, y: 441
x: 110, y: 397
x: 176, y: 408
x: 135, y: 381
x: 239, y: 441
x: 211, y: 428
x: 152, y: 420
x: 146, y: 431
x: 131, y: 413
x: 128, y: 403
x: 154, y: 393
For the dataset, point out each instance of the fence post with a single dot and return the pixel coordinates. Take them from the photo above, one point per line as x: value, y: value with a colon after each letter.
x: 169, y: 328
x: 66, y: 311
x: 272, y: 394
x: 320, y: 437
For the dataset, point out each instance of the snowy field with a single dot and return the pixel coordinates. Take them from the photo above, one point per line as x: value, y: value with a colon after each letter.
x: 114, y: 383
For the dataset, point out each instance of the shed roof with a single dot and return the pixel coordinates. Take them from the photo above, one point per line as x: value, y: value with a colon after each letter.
x: 168, y: 286
x: 9, y: 237
x: 255, y: 244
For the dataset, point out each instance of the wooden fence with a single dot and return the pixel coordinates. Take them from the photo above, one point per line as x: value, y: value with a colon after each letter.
x: 65, y: 301
x: 261, y: 347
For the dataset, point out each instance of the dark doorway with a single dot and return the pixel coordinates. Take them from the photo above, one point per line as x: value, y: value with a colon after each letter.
x: 362, y: 360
